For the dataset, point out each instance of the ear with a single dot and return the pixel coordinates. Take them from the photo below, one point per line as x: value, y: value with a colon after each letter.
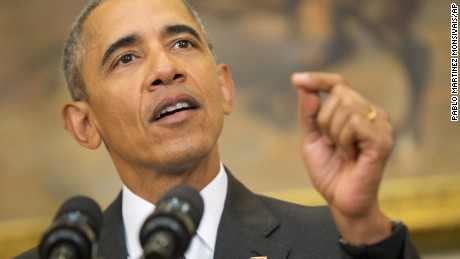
x: 227, y: 87
x: 78, y: 124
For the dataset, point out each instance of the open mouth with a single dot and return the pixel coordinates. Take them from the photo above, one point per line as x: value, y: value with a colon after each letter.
x: 172, y: 109
x: 172, y: 106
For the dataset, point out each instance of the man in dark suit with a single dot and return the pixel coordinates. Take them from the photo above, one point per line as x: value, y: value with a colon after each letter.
x: 144, y: 82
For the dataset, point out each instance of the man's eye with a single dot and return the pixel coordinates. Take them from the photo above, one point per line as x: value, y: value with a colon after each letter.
x: 126, y: 59
x: 183, y: 44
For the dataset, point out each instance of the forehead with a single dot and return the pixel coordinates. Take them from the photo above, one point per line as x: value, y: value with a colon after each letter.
x: 116, y: 18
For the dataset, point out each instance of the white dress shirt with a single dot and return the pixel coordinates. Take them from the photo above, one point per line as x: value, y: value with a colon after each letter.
x: 135, y: 210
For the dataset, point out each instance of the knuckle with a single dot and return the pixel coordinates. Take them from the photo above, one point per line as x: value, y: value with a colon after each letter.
x: 348, y: 105
x: 355, y: 120
x: 322, y: 122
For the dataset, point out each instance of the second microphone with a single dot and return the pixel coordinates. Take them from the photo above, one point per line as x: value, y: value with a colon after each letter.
x: 167, y: 232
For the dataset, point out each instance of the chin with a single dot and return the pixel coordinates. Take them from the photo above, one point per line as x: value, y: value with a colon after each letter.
x: 185, y: 158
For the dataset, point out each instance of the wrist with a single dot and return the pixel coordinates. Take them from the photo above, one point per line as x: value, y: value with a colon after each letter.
x: 390, y: 247
x: 363, y: 230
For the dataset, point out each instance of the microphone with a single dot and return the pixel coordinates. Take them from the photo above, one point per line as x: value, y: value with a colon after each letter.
x: 74, y: 231
x: 167, y: 232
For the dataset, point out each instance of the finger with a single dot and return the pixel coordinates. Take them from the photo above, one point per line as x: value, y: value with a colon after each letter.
x: 341, y: 99
x: 340, y: 131
x: 317, y: 81
x: 346, y: 136
x: 350, y: 103
x: 337, y: 125
x: 374, y: 139
x: 309, y: 105
x: 329, y: 109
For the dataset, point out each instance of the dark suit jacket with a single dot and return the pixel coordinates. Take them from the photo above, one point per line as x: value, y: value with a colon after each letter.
x: 253, y: 225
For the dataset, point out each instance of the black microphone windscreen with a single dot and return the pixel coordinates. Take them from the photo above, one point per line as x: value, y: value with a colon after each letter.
x: 167, y: 232
x: 74, y: 231
x: 86, y: 206
x: 187, y: 193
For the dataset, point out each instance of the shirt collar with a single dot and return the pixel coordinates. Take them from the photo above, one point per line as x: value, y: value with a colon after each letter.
x: 135, y: 210
x: 214, y: 199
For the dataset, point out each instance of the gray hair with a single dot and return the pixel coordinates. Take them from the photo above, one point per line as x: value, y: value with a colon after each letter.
x: 74, y: 49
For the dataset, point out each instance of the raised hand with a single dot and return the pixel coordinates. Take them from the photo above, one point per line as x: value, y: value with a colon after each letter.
x: 346, y: 141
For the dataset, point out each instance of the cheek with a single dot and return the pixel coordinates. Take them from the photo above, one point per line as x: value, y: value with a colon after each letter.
x: 117, y: 94
x: 209, y: 85
x: 116, y: 112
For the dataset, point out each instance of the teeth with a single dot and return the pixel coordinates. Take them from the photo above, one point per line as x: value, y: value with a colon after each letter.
x: 175, y: 107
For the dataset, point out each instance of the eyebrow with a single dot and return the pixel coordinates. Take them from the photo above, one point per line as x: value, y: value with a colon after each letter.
x: 182, y: 28
x: 120, y: 43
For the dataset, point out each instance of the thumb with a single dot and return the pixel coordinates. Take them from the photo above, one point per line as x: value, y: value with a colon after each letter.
x: 309, y: 106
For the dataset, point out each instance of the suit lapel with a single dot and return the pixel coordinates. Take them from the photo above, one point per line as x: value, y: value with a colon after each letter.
x: 112, y: 240
x: 246, y: 226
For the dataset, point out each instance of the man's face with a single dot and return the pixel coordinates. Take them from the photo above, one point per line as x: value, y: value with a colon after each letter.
x: 156, y: 96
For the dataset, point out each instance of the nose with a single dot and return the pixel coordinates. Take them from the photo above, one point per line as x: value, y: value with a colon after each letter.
x: 167, y: 70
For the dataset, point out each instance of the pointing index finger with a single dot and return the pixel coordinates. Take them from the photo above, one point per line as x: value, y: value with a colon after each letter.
x: 316, y: 81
